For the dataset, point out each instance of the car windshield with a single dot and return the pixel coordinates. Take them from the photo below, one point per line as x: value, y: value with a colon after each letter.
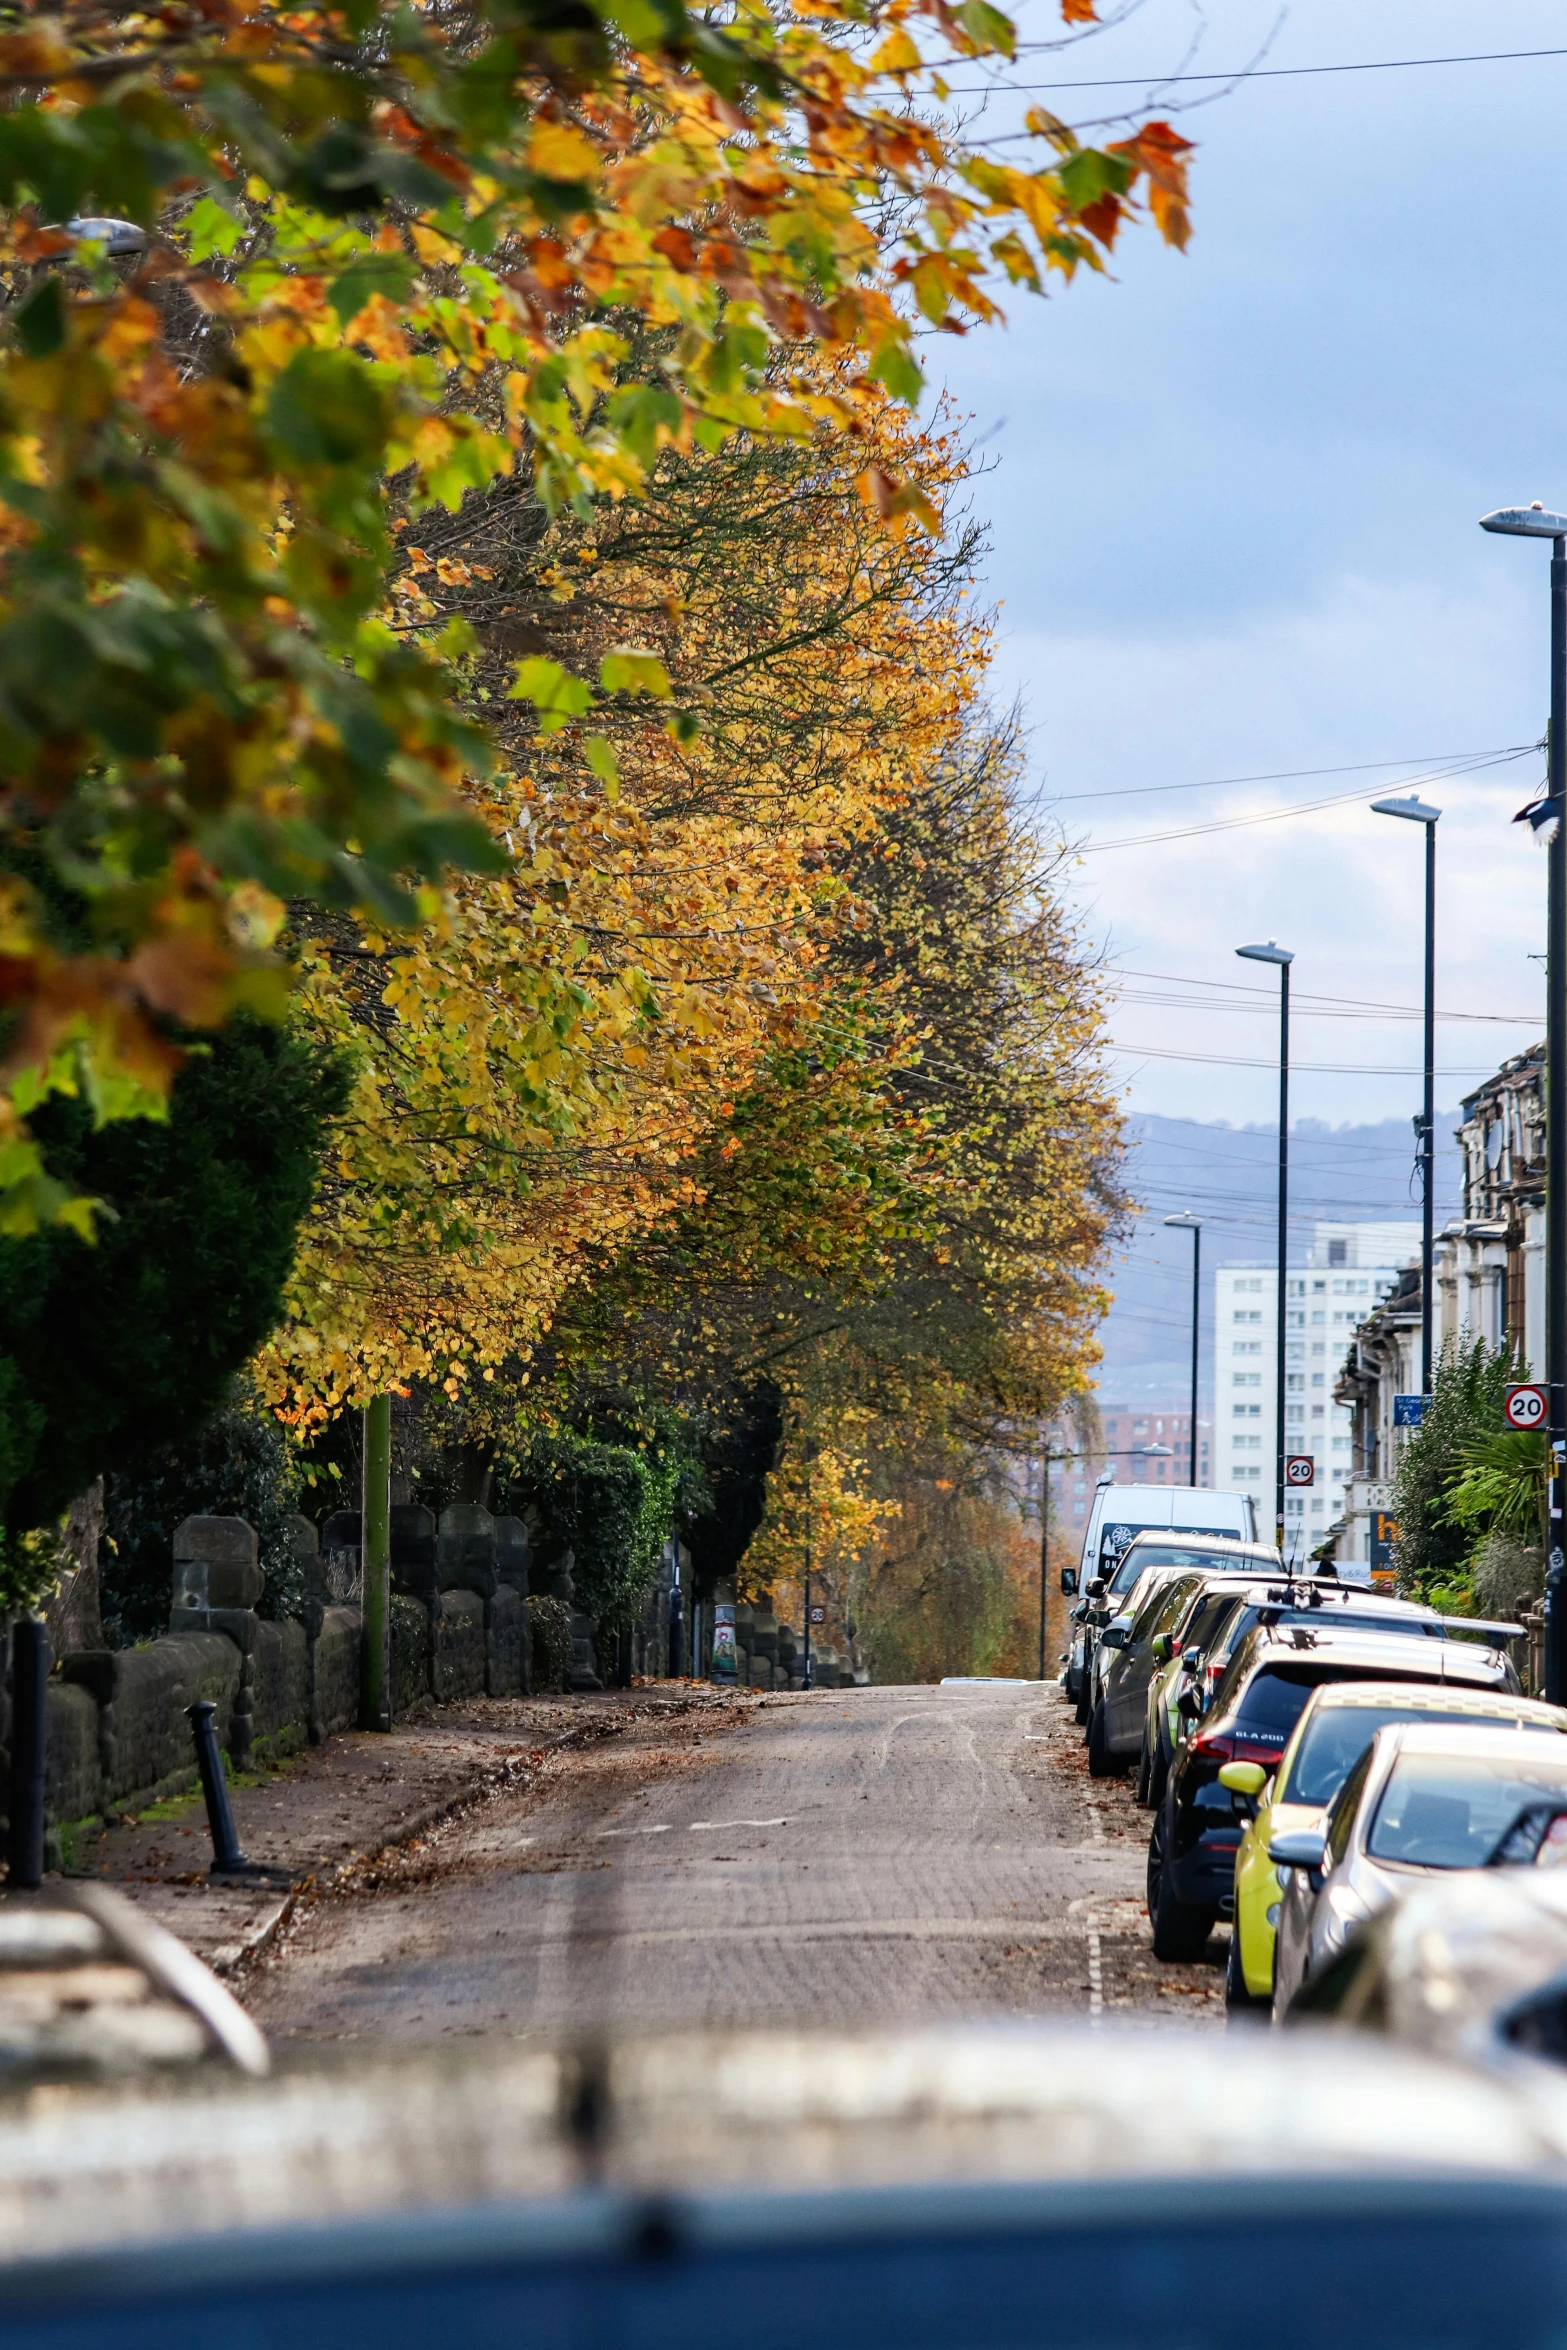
x: 1449, y: 1811
x: 1142, y: 1556
x: 1338, y: 1735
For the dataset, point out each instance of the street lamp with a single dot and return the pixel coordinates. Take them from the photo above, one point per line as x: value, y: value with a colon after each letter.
x: 1193, y: 1225
x: 1282, y: 958
x: 1416, y: 812
x: 1532, y: 522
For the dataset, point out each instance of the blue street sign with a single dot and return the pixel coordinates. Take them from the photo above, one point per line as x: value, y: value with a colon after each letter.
x: 1409, y: 1410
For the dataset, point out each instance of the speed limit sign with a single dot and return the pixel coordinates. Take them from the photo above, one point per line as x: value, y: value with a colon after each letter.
x: 1299, y: 1469
x: 1525, y: 1407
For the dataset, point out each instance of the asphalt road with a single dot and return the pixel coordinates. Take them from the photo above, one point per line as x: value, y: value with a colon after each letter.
x: 862, y: 1857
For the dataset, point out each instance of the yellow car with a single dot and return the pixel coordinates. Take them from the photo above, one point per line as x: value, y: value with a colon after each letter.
x: 1338, y: 1724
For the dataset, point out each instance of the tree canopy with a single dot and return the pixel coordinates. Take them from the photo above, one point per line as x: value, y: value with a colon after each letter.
x: 281, y: 281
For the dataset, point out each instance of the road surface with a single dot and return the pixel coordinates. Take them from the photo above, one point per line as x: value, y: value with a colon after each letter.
x: 838, y: 1858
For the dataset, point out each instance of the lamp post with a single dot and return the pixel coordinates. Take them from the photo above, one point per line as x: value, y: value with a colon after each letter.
x: 1281, y: 958
x: 1416, y: 812
x: 1532, y: 522
x: 1192, y: 1224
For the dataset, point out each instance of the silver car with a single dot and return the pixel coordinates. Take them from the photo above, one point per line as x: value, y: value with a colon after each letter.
x: 1424, y: 1797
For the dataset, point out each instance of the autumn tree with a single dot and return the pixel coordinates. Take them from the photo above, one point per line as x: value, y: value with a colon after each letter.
x: 262, y: 265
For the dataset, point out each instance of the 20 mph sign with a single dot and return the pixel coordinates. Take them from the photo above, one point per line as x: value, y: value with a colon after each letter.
x: 1525, y: 1407
x: 1299, y: 1469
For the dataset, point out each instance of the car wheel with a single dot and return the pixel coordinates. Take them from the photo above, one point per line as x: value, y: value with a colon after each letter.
x: 1180, y: 1932
x: 1237, y: 1999
x: 1101, y: 1762
x: 1144, y: 1774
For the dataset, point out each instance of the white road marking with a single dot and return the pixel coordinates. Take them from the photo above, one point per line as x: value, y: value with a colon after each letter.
x: 669, y: 1827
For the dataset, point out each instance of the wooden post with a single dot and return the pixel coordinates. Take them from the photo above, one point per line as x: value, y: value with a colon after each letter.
x: 375, y: 1678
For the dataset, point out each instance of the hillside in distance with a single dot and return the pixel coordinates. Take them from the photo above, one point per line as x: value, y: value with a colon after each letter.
x: 1228, y: 1175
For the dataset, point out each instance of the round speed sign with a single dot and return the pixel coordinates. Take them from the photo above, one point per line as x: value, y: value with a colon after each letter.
x: 1525, y: 1407
x: 1300, y: 1469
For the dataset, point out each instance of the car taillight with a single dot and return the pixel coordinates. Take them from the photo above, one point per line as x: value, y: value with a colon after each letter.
x: 1222, y: 1749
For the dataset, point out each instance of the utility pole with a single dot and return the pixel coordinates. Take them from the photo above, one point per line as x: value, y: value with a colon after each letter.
x: 1193, y: 1224
x: 1281, y: 958
x: 1415, y: 811
x: 1532, y: 522
x: 375, y: 1683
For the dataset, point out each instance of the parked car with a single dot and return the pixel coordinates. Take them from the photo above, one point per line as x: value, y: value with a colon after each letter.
x: 1201, y: 1646
x: 1150, y: 1552
x: 1130, y: 1648
x: 1119, y: 1514
x: 1472, y: 1965
x: 1330, y: 1738
x: 1197, y: 1828
x: 1423, y: 1797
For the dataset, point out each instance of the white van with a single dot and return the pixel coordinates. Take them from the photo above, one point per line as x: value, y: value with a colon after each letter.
x: 1120, y: 1511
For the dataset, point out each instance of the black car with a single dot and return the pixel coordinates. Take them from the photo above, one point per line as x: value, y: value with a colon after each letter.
x: 1219, y: 1618
x: 1197, y: 1828
x: 1106, y: 1595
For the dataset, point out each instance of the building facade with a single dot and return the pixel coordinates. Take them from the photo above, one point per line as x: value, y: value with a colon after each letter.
x: 1489, y: 1274
x: 1349, y: 1268
x: 1127, y: 1432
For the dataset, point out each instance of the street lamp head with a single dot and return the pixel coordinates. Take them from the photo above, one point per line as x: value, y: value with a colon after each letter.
x: 1153, y: 1452
x: 1184, y: 1222
x: 1268, y: 954
x: 1415, y: 810
x: 1526, y: 522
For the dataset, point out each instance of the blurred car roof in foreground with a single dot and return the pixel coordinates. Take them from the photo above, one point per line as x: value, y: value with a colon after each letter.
x: 955, y: 2188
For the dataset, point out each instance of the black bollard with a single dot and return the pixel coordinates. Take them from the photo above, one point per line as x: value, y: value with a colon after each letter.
x: 29, y: 1744
x: 227, y: 1859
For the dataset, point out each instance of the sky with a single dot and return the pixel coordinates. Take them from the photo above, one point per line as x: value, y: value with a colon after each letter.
x: 1233, y: 500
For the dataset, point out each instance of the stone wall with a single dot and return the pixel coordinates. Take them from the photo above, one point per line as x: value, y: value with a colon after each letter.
x: 118, y: 1728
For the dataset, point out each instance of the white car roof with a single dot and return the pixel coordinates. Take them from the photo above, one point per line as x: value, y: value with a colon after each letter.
x: 1458, y: 1739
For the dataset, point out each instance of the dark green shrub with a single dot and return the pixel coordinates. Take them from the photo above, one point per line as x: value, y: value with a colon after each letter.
x: 113, y: 1351
x: 549, y: 1645
x: 238, y: 1466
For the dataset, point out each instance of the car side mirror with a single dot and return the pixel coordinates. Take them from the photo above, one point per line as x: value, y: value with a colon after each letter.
x: 1115, y: 1635
x: 1161, y: 1649
x: 1068, y: 1582
x: 1096, y: 1588
x: 1243, y: 1778
x: 1299, y: 1848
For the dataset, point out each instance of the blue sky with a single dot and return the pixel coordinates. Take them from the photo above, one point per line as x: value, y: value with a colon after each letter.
x: 1233, y: 505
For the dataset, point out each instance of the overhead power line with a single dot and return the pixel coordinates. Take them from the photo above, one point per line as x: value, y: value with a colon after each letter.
x: 1133, y: 791
x: 1142, y: 840
x: 1302, y: 1001
x: 1154, y: 1052
x: 1266, y: 73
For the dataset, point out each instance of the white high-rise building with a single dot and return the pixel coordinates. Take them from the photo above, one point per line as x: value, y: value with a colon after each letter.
x: 1349, y: 1268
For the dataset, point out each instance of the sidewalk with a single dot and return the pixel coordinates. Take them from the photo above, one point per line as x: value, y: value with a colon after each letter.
x: 336, y: 1804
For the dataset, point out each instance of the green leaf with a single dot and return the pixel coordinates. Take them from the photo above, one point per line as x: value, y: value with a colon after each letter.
x: 601, y: 758
x: 326, y: 408
x: 1090, y: 174
x: 553, y: 691
x: 211, y: 228
x: 894, y: 365
x: 388, y: 274
x: 628, y: 671
x: 683, y: 726
x: 40, y: 322
x: 987, y: 28
x: 640, y: 413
